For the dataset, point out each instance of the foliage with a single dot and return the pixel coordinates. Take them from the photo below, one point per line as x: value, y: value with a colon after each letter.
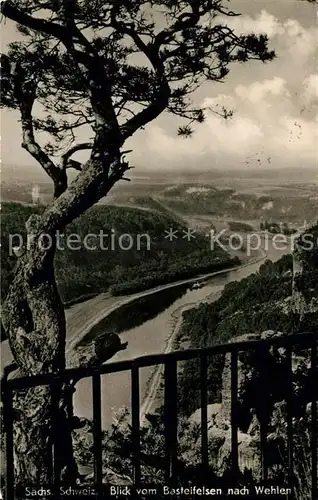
x: 118, y: 452
x: 57, y: 63
x: 240, y: 226
x: 275, y: 228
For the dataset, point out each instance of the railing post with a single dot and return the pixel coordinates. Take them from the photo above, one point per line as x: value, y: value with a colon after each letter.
x: 264, y: 409
x: 234, y: 426
x: 204, y: 409
x: 314, y: 421
x: 8, y: 424
x: 97, y: 432
x: 170, y: 418
x: 171, y: 408
x: 55, y: 391
x: 290, y: 408
x: 263, y: 439
x: 135, y: 422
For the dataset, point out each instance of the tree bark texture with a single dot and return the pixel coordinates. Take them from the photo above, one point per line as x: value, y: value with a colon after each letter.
x: 34, y: 320
x: 33, y: 317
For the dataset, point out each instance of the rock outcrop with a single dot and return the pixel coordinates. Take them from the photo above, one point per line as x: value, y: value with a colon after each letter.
x: 263, y: 385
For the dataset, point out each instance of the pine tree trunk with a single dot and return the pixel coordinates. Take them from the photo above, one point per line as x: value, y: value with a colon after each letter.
x: 34, y: 319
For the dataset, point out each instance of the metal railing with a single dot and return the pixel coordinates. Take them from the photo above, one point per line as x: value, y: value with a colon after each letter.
x: 170, y: 361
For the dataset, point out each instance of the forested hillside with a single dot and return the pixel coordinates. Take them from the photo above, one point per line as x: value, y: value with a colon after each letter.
x: 149, y: 262
x: 258, y: 303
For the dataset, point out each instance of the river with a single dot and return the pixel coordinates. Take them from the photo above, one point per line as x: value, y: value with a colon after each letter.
x: 152, y: 337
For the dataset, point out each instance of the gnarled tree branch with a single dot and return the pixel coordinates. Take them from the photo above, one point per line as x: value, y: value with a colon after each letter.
x: 66, y: 158
x: 8, y: 9
x: 161, y: 97
x: 31, y: 145
x: 25, y: 93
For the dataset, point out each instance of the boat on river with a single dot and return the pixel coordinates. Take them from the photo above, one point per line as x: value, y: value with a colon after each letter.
x: 197, y: 285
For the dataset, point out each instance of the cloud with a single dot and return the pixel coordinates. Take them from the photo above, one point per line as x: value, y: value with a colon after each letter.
x: 258, y: 92
x: 310, y: 90
x: 289, y: 38
x: 265, y: 121
x: 263, y: 23
x: 274, y: 104
x: 290, y: 32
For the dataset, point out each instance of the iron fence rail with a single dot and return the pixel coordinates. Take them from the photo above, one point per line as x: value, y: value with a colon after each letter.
x: 170, y: 362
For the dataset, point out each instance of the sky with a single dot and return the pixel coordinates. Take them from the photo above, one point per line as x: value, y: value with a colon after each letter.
x: 275, y: 121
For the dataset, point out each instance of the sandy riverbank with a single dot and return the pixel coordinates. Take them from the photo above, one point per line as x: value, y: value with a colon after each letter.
x: 153, y: 384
